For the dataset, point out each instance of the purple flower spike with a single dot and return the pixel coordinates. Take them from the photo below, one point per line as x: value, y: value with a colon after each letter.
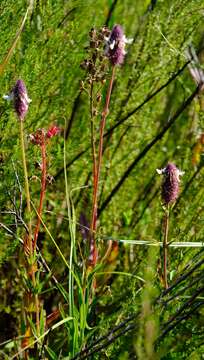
x: 170, y: 185
x: 115, y: 45
x: 116, y: 33
x: 20, y: 99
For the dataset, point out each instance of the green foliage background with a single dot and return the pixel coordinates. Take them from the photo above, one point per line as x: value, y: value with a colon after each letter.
x: 47, y: 56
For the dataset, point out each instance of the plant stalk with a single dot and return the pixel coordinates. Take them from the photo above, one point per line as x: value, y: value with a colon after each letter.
x: 165, y: 246
x: 72, y: 236
x: 32, y: 261
x: 98, y: 170
x: 93, y: 140
x: 42, y: 192
x: 92, y: 249
x: 27, y: 192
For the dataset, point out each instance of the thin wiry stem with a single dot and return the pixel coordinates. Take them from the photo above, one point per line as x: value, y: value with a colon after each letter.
x: 42, y: 192
x: 98, y: 170
x: 72, y: 237
x: 93, y: 145
x: 93, y: 249
x: 30, y: 244
x: 93, y: 255
x: 165, y: 246
x: 27, y: 191
x: 39, y: 214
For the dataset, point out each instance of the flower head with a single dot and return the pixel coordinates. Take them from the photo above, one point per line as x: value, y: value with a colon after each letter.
x: 20, y: 99
x: 170, y: 185
x: 115, y: 45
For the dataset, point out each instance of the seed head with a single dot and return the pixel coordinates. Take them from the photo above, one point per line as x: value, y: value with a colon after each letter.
x: 115, y: 45
x: 170, y: 184
x: 20, y: 99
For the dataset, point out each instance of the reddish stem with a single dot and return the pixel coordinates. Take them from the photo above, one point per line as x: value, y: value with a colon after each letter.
x: 93, y: 254
x: 42, y: 192
x: 93, y: 140
x: 93, y: 226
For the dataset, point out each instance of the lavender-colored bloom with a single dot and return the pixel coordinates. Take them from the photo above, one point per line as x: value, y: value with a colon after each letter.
x: 170, y: 185
x: 20, y: 99
x: 115, y: 45
x: 116, y: 34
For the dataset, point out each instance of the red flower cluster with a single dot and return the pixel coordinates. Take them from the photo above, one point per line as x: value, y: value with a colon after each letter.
x: 41, y: 135
x: 52, y: 131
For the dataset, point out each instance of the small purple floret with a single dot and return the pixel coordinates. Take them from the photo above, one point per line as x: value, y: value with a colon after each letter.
x: 115, y: 49
x: 170, y: 185
x: 116, y: 33
x: 117, y: 57
x: 21, y: 99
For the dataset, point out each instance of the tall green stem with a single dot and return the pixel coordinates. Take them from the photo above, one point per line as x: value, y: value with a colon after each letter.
x: 72, y: 236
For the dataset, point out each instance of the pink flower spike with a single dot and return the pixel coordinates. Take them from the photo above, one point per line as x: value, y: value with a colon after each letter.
x: 170, y: 185
x: 20, y: 99
x: 115, y: 45
x: 52, y: 131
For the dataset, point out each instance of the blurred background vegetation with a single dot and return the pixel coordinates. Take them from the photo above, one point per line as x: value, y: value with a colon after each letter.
x: 150, y: 87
